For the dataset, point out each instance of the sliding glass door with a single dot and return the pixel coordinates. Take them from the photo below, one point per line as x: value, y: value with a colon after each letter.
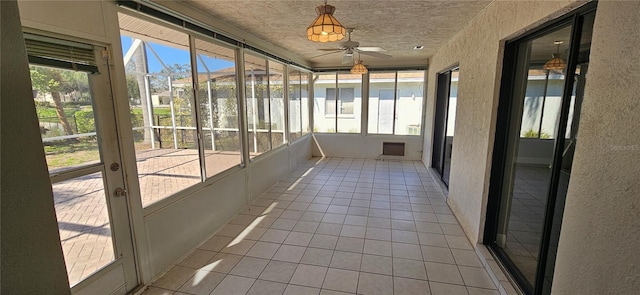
x: 538, y: 119
x: 445, y: 118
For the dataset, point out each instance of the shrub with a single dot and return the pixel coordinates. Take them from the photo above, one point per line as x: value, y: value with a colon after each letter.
x: 85, y: 121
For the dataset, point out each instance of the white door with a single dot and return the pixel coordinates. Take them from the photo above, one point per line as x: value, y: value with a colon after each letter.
x: 77, y: 121
x: 385, y: 111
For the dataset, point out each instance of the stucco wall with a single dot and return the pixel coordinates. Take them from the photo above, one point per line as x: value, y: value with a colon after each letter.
x: 600, y: 238
x: 478, y: 50
x: 32, y: 261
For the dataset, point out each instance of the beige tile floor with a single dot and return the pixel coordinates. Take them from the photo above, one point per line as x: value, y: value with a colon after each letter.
x: 338, y: 226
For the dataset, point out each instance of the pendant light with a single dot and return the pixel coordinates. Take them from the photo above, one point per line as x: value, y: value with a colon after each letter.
x: 555, y: 63
x: 326, y: 28
x: 359, y: 68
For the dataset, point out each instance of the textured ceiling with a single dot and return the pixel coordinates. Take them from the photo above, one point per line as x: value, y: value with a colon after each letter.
x: 396, y: 26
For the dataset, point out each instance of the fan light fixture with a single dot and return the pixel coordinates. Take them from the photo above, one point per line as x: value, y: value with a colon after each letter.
x: 359, y: 68
x: 555, y: 63
x: 326, y: 28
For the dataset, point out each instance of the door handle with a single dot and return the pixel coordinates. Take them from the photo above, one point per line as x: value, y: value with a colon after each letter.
x: 120, y: 192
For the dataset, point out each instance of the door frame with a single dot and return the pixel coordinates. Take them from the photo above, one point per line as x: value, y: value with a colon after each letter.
x: 120, y: 275
x: 441, y: 118
x: 501, y: 149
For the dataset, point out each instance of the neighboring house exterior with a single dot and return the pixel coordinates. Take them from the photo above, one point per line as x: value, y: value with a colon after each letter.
x: 381, y: 107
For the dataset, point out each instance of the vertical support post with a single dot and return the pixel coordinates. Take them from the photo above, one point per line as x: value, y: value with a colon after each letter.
x: 268, y: 115
x: 311, y: 87
x: 337, y: 95
x: 285, y: 103
x: 395, y: 103
x: 364, y: 108
x: 173, y: 115
x: 241, y: 101
x: 195, y: 109
x: 254, y: 110
x: 147, y: 89
x: 210, y: 97
x: 300, y: 102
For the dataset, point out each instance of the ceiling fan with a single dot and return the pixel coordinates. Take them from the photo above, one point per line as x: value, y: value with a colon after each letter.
x: 350, y: 47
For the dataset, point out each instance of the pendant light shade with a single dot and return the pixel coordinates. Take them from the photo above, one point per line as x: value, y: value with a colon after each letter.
x: 555, y: 63
x: 326, y: 28
x: 359, y: 69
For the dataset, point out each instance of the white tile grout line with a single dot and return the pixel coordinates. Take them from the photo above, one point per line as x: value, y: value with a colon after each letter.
x: 430, y: 172
x: 476, y: 247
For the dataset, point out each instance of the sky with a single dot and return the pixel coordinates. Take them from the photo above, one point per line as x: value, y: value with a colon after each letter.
x: 172, y: 56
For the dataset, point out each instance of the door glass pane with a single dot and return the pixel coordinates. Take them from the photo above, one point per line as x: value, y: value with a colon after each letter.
x: 349, y: 103
x: 65, y: 113
x: 257, y: 102
x: 529, y: 156
x: 64, y: 104
x: 276, y: 93
x: 295, y: 123
x: 324, y: 103
x: 83, y: 221
x: 304, y: 101
x: 381, y: 101
x: 158, y: 70
x: 439, y: 123
x: 217, y: 96
x: 409, y: 102
x: 450, y: 125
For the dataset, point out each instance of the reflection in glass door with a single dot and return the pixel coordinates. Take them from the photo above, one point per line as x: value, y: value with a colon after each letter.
x: 77, y: 124
x: 538, y: 115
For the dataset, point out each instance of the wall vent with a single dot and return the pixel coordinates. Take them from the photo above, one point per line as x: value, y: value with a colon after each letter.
x: 393, y: 148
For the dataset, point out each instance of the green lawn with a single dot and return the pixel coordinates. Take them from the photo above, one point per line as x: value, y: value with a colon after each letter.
x: 71, y: 152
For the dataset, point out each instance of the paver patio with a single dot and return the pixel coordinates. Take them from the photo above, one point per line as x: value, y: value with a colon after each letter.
x: 80, y: 203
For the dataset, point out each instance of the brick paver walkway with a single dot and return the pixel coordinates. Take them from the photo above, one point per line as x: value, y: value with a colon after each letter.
x: 81, y: 209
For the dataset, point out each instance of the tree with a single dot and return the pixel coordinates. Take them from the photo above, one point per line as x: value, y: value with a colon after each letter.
x: 74, y: 83
x: 50, y: 80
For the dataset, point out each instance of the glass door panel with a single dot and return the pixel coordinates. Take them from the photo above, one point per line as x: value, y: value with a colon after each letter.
x: 64, y: 105
x: 77, y: 124
x: 83, y: 221
x: 526, y: 186
x: 450, y: 126
x: 444, y: 123
x: 539, y: 114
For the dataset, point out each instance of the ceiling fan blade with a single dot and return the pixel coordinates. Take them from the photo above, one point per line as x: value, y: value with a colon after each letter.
x: 335, y: 49
x: 346, y: 59
x: 321, y: 55
x: 375, y: 54
x: 374, y: 49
